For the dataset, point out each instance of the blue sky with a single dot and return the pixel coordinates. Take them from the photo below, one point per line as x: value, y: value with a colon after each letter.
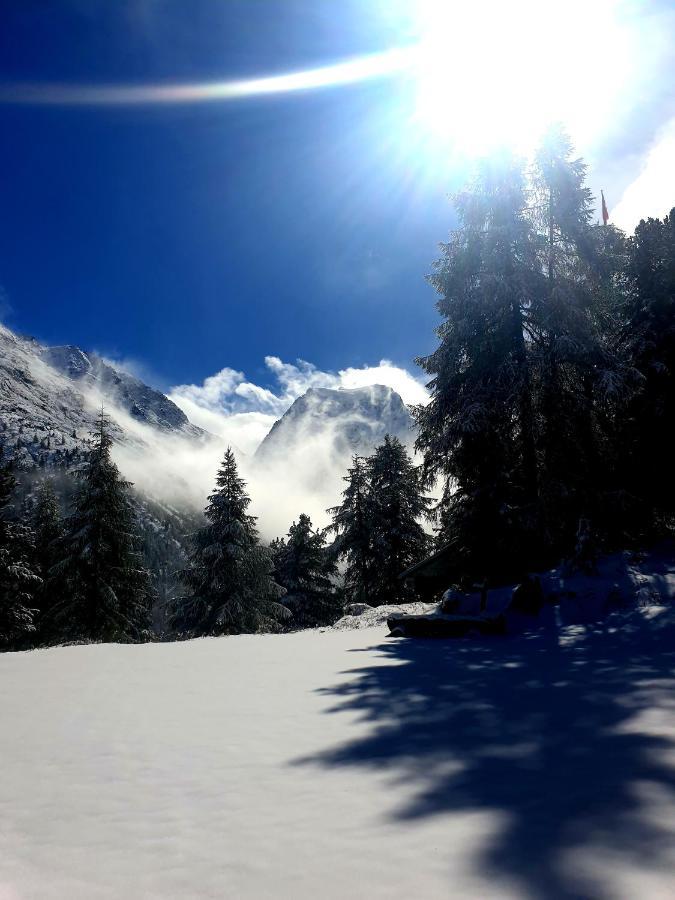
x: 190, y: 238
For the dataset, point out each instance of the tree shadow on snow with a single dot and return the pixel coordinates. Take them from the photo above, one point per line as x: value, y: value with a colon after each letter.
x: 538, y: 727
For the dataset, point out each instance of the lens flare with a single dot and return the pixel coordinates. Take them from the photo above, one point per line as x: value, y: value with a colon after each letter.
x: 484, y: 73
x: 351, y: 71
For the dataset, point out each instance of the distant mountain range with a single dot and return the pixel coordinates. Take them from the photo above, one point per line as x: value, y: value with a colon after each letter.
x: 50, y: 398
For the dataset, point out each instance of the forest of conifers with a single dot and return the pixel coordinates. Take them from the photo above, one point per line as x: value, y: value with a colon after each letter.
x: 552, y: 387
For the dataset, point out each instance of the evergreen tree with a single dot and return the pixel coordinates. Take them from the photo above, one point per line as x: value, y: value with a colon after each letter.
x: 352, y: 527
x: 18, y: 580
x: 649, y: 341
x: 306, y: 569
x: 397, y: 503
x: 47, y: 525
x: 576, y: 372
x: 107, y: 591
x: 527, y: 381
x: 230, y: 573
x: 477, y: 432
x: 48, y: 531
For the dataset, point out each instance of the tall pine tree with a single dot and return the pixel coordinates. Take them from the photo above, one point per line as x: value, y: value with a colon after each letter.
x: 377, y: 525
x: 48, y: 532
x: 107, y: 591
x: 19, y: 582
x: 306, y: 569
x: 230, y: 572
x: 576, y: 372
x: 648, y: 327
x: 397, y: 504
x: 478, y: 431
x: 353, y: 537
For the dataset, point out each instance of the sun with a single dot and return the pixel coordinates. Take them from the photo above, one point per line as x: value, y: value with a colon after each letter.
x: 484, y: 73
x: 491, y: 72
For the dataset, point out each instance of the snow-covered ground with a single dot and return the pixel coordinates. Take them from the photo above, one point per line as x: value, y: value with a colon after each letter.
x: 342, y: 764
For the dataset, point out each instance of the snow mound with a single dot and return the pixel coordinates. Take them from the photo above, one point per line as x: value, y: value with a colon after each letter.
x: 378, y: 615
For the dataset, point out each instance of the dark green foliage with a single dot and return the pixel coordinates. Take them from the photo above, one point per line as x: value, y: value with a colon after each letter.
x: 648, y: 331
x: 353, y: 534
x: 306, y: 569
x: 166, y: 535
x: 552, y: 380
x: 397, y: 504
x: 230, y: 573
x: 46, y: 517
x: 19, y: 582
x: 47, y: 526
x: 377, y: 526
x: 577, y: 374
x: 477, y: 432
x: 48, y: 534
x: 107, y: 593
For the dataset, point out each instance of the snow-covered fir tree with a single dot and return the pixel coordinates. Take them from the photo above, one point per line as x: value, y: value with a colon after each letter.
x: 528, y: 380
x: 477, y: 432
x: 577, y: 375
x: 378, y: 524
x: 48, y: 531
x: 19, y: 582
x: 47, y: 525
x: 398, y: 503
x: 307, y: 570
x: 230, y: 573
x: 353, y: 539
x: 107, y: 591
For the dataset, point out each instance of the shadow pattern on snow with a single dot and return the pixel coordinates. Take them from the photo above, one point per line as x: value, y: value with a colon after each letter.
x: 536, y: 729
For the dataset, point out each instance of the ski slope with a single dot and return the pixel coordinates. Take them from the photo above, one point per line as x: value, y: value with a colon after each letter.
x: 342, y: 764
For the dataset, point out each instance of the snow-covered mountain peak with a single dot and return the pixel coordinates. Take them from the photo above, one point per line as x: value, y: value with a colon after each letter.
x: 350, y: 420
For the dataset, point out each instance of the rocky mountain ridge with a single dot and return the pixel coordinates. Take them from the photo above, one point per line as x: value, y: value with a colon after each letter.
x: 354, y: 421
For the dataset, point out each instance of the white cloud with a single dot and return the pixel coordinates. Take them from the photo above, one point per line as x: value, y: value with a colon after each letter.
x: 180, y: 469
x: 240, y: 413
x: 228, y: 405
x: 214, y: 391
x: 410, y: 389
x: 296, y: 379
x: 652, y: 193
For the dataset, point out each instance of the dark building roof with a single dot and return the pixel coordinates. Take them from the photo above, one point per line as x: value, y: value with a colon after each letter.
x: 435, y: 566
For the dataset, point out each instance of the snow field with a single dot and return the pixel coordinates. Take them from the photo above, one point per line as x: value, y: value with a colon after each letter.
x: 341, y: 764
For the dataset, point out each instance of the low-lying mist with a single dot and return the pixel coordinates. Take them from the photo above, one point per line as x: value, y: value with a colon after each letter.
x: 304, y: 477
x: 181, y: 472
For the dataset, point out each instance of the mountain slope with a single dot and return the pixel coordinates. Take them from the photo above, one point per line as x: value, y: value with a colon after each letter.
x: 50, y: 397
x: 142, y: 402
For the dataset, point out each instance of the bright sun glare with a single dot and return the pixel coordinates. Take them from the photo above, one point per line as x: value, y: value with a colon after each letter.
x: 493, y: 72
x: 485, y: 73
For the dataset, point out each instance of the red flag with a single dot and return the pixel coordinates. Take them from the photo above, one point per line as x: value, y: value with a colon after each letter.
x: 605, y: 214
